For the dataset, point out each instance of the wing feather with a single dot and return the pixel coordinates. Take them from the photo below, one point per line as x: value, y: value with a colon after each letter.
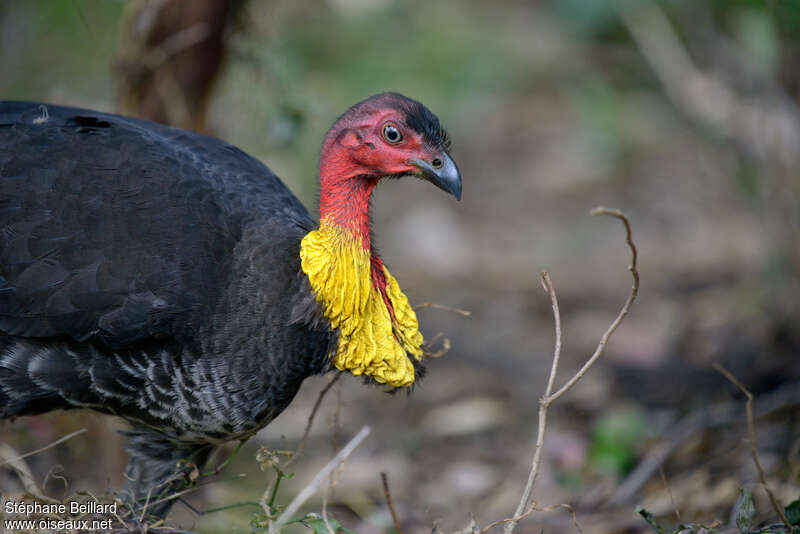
x: 119, y: 230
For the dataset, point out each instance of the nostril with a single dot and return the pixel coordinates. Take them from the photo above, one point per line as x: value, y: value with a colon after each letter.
x: 436, y: 163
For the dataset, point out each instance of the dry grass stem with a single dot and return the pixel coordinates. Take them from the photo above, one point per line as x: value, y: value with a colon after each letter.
x: 669, y: 492
x: 544, y: 404
x: 23, y: 471
x: 302, y: 445
x: 312, y: 486
x: 600, y: 210
x: 714, y: 416
x: 459, y: 311
x: 389, y: 503
x: 533, y: 508
x: 446, y: 346
x: 549, y: 397
x: 325, y: 520
x: 753, y: 450
x: 50, y: 446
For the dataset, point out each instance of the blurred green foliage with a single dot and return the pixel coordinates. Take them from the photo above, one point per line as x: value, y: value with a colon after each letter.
x: 58, y: 49
x: 294, y: 65
x: 616, y: 439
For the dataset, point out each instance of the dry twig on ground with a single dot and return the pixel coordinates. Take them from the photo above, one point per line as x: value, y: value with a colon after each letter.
x: 17, y: 461
x: 302, y: 445
x: 389, y: 503
x: 525, y: 506
x: 312, y: 486
x: 714, y: 416
x: 752, y: 437
x: 49, y: 446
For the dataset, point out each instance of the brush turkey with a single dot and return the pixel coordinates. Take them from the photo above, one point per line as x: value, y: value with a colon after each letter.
x: 170, y: 279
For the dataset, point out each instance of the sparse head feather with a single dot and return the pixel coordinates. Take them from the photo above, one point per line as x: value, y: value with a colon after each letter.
x: 416, y: 117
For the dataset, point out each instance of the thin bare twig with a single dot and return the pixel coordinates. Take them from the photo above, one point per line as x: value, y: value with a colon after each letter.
x: 682, y: 431
x: 389, y: 503
x: 471, y: 528
x: 547, y: 284
x: 544, y: 404
x: 446, y: 343
x: 50, y: 446
x: 325, y: 520
x: 302, y: 445
x: 669, y: 492
x: 533, y: 508
x: 549, y: 397
x: 601, y: 210
x: 312, y: 486
x: 465, y: 313
x: 446, y: 346
x: 24, y: 472
x: 333, y: 477
x: 752, y: 436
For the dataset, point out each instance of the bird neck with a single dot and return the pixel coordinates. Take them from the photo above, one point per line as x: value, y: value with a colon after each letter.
x: 345, y: 195
x: 377, y: 329
x: 344, y: 206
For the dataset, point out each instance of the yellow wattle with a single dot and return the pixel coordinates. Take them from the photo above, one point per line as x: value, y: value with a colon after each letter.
x: 370, y: 342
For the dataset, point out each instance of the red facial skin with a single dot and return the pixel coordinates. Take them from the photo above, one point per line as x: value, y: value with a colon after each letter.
x: 355, y: 156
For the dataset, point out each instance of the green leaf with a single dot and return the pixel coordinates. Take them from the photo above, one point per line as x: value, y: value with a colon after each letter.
x: 317, y: 524
x: 793, y: 512
x: 744, y: 516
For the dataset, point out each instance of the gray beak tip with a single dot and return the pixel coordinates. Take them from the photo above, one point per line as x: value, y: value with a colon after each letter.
x: 445, y: 175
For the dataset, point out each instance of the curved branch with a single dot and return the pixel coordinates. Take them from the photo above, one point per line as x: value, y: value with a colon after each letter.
x: 549, y: 398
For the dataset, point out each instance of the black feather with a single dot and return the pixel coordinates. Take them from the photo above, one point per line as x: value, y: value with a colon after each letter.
x: 422, y: 120
x: 417, y: 117
x: 150, y: 273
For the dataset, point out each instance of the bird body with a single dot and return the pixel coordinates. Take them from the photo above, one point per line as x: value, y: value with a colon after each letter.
x: 168, y: 278
x: 131, y: 256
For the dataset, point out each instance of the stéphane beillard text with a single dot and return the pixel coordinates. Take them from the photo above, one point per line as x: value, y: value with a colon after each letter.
x: 70, y: 507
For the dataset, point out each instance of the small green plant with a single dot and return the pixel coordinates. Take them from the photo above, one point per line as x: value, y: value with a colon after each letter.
x: 271, y: 509
x: 745, y: 513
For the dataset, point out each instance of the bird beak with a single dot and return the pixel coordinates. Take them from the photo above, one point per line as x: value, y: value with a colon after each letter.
x: 441, y: 172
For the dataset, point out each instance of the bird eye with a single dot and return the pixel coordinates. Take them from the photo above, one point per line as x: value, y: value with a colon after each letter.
x: 391, y: 133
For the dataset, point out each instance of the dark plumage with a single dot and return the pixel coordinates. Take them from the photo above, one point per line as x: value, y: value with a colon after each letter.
x: 154, y: 274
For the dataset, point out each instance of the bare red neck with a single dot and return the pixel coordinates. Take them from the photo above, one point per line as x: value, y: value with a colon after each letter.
x: 345, y: 203
x: 345, y: 189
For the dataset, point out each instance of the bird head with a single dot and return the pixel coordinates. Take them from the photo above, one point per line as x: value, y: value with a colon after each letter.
x: 385, y: 136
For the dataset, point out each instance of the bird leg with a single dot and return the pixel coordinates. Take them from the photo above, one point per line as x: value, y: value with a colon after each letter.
x: 158, y: 470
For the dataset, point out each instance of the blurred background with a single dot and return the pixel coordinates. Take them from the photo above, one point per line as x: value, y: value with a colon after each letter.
x: 683, y: 113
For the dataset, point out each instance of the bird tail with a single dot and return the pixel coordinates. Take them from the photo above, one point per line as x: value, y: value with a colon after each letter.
x: 21, y: 393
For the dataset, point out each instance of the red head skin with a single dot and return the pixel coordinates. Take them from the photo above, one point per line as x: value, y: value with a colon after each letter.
x: 355, y: 156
